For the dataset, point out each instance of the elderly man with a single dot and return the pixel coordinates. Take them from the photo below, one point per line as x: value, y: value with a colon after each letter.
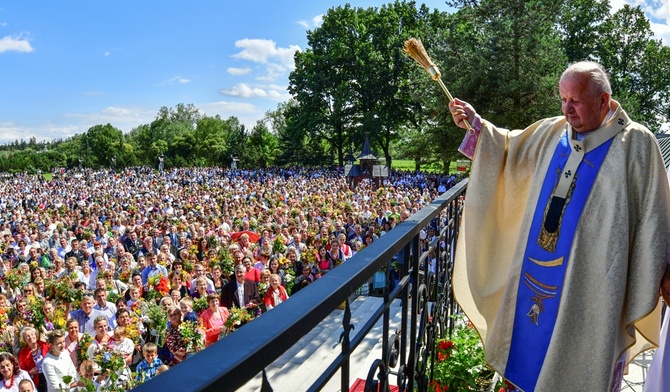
x: 564, y: 239
x: 239, y: 292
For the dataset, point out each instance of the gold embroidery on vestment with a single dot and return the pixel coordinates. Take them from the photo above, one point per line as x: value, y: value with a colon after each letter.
x: 542, y: 292
x: 550, y: 263
x: 548, y: 240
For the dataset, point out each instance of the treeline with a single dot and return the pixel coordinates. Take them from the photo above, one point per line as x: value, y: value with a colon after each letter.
x: 354, y: 81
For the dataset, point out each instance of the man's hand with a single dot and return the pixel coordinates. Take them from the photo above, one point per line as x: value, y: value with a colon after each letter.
x: 665, y: 286
x: 461, y: 111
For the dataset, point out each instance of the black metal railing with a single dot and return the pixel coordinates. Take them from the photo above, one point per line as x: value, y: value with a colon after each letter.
x: 423, y: 287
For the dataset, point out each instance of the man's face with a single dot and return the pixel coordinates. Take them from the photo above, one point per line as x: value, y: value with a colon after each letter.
x: 101, y: 298
x: 583, y: 109
x: 87, y: 305
x: 239, y: 275
x: 153, y: 260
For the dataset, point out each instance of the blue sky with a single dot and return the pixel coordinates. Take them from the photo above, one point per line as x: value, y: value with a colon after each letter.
x: 68, y: 65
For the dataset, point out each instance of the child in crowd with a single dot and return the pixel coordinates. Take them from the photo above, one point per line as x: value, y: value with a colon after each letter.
x: 186, y: 306
x: 134, y: 296
x: 26, y: 386
x: 122, y: 344
x: 88, y: 374
x: 148, y: 367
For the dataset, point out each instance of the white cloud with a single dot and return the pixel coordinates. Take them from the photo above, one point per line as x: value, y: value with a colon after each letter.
x: 274, y: 71
x: 238, y: 71
x: 264, y: 51
x: 107, y: 53
x: 242, y: 90
x: 657, y: 11
x: 176, y: 79
x: 15, y: 44
x: 47, y: 131
x: 315, y: 22
x: 278, y: 61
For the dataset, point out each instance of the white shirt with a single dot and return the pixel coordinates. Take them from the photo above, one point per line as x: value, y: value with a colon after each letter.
x: 55, y: 368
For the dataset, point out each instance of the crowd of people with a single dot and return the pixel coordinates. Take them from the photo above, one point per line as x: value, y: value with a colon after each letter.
x: 112, y: 277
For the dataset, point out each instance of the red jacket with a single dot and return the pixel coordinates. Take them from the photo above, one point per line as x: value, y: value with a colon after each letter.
x: 269, y: 299
x: 26, y: 361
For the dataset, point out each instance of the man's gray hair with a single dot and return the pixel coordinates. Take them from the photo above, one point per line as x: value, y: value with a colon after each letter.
x: 599, y: 81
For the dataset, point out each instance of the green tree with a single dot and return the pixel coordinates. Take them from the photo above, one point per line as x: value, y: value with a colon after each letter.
x: 638, y: 66
x: 210, y: 140
x: 100, y: 143
x: 262, y: 146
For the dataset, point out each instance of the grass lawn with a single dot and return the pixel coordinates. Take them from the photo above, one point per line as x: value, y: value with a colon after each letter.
x: 408, y: 164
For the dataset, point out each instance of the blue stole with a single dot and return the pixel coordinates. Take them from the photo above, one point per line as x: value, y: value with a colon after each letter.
x: 543, y: 271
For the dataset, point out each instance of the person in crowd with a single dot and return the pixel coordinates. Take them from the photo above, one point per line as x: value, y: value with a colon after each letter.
x: 218, y: 279
x: 86, y: 315
x: 72, y: 339
x: 148, y: 367
x: 212, y: 319
x: 173, y: 339
x: 32, y: 355
x: 58, y: 364
x: 252, y: 273
x: 12, y: 374
x: 275, y: 294
x: 239, y: 292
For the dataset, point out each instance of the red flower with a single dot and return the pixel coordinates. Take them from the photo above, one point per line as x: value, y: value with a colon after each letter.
x: 163, y: 286
x: 438, y: 388
x: 441, y: 357
x: 445, y: 345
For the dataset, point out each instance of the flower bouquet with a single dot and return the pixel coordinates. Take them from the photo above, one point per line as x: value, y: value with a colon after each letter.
x: 192, y: 334
x: 6, y: 342
x: 111, y: 361
x: 200, y: 305
x: 157, y: 287
x: 14, y: 279
x: 4, y: 317
x: 82, y: 347
x: 262, y: 288
x: 133, y: 330
x: 237, y: 318
x: 62, y: 290
x: 157, y: 321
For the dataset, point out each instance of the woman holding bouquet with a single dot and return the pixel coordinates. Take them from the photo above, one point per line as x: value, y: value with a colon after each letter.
x: 173, y: 338
x: 213, y: 319
x: 12, y: 374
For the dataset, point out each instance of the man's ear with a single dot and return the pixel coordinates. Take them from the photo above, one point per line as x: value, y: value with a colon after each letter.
x: 605, y: 101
